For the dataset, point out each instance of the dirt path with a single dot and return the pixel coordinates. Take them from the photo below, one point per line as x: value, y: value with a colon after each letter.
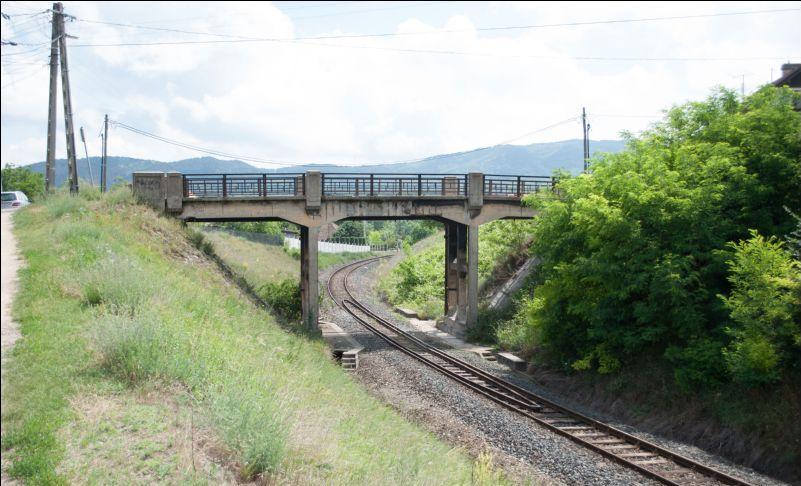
x: 10, y: 329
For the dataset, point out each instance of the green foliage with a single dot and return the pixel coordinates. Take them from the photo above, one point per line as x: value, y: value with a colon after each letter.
x: 25, y: 180
x: 283, y: 297
x: 387, y: 233
x: 350, y: 229
x: 765, y: 306
x: 418, y: 281
x: 634, y: 255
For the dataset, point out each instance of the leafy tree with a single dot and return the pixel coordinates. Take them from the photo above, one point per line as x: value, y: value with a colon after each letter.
x: 634, y: 255
x: 25, y: 180
x: 765, y: 306
x: 350, y: 229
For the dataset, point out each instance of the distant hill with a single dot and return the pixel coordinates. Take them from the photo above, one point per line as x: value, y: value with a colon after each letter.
x: 534, y: 159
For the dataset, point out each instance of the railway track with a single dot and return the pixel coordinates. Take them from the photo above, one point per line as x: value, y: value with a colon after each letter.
x: 645, y: 457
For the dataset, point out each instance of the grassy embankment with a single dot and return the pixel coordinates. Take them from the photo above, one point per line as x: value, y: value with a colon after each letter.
x: 268, y: 270
x: 140, y: 363
x: 257, y: 262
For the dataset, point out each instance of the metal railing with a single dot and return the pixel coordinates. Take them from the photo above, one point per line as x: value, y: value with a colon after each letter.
x: 242, y: 185
x: 340, y: 185
x: 515, y: 186
x: 394, y: 185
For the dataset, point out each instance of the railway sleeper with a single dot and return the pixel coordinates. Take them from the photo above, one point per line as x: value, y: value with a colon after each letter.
x: 593, y: 434
x: 621, y: 447
x: 637, y: 454
x: 651, y: 462
x: 603, y: 442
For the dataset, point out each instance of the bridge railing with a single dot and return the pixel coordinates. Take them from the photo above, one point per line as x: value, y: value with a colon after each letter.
x: 250, y: 186
x: 398, y: 185
x: 242, y: 185
x: 516, y: 186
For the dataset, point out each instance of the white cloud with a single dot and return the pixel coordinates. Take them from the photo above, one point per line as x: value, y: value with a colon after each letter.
x: 360, y: 100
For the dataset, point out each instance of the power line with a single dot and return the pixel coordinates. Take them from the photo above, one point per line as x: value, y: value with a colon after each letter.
x: 285, y: 163
x: 236, y: 38
x: 444, y: 52
x: 554, y: 125
x: 200, y: 149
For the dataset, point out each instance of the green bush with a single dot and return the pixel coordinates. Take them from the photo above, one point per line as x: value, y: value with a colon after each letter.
x: 765, y: 306
x: 25, y: 180
x: 283, y: 297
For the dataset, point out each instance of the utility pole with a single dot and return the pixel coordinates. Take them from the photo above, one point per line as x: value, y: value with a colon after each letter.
x: 88, y: 162
x: 50, y: 164
x: 104, y: 160
x: 65, y: 88
x: 586, y: 131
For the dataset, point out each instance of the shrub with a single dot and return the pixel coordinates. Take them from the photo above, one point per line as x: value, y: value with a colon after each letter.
x: 283, y: 297
x: 250, y: 424
x: 118, y: 283
x: 765, y: 306
x: 132, y: 348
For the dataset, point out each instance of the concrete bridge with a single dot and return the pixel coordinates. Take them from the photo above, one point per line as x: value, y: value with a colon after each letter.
x: 310, y: 200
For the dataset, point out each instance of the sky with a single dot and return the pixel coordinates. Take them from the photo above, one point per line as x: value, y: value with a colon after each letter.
x: 371, y: 82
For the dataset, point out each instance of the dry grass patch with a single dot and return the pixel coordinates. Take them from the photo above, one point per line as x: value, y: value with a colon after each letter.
x: 140, y: 436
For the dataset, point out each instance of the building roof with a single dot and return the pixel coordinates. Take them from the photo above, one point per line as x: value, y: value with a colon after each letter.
x: 791, y: 76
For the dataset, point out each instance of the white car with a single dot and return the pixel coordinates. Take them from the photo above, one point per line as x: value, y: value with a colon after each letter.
x: 14, y: 200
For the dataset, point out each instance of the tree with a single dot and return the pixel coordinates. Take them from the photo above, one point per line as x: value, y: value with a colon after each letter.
x: 633, y: 256
x: 25, y: 180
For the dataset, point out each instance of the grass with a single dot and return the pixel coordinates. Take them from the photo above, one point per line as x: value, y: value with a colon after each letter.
x: 115, y: 300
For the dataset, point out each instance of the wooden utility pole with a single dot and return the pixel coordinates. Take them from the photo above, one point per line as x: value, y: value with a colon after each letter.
x: 50, y: 164
x: 72, y: 166
x: 586, y: 139
x: 104, y: 160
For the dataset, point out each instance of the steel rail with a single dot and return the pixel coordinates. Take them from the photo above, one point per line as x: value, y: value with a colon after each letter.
x: 609, y: 441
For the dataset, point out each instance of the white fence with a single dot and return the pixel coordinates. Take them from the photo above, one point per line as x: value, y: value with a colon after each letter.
x: 333, y: 246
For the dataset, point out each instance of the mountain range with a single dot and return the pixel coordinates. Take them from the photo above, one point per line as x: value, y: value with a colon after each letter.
x: 534, y: 159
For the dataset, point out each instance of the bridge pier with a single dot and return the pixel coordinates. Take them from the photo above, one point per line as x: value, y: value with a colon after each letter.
x: 461, y: 276
x: 309, y: 284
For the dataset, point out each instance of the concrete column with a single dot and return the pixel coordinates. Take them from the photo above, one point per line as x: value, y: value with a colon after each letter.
x: 309, y: 286
x: 451, y: 270
x: 150, y: 187
x: 475, y: 190
x: 461, y: 273
x: 314, y: 190
x: 174, y: 191
x: 472, y: 276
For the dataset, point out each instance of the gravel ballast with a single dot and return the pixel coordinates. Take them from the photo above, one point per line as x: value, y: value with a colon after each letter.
x: 524, y: 449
